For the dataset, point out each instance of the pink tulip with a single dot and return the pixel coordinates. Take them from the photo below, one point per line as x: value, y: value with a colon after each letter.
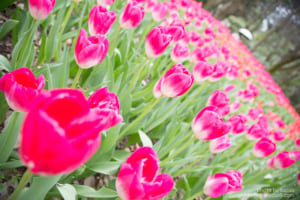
x: 132, y: 15
x: 20, y: 88
x: 105, y: 2
x: 298, y: 179
x: 254, y: 113
x: 264, y: 147
x: 280, y: 123
x: 295, y: 155
x: 297, y: 143
x: 60, y: 132
x: 157, y: 41
x: 202, y: 71
x: 208, y: 124
x: 283, y: 160
x: 198, y: 55
x: 195, y: 39
x: 220, y: 100
x: 138, y: 177
x: 277, y: 136
x: 106, y: 103
x: 232, y: 72
x: 100, y: 20
x: 40, y: 9
x: 219, y: 144
x: 235, y: 106
x: 90, y: 51
x: 223, y: 183
x: 220, y: 70
x: 174, y: 83
x: 177, y: 31
x: 229, y: 88
x: 256, y: 132
x: 159, y: 11
x: 238, y: 123
x: 180, y: 52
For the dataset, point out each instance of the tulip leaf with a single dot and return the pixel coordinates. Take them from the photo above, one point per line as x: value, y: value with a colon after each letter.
x: 4, y: 64
x: 9, y: 135
x: 146, y: 141
x: 121, y: 155
x: 11, y: 164
x: 7, y: 26
x: 3, y: 107
x: 86, y: 191
x: 67, y: 191
x: 39, y: 187
x: 108, y: 167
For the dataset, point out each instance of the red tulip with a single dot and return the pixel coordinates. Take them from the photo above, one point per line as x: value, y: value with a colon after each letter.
x: 100, y: 20
x: 40, y: 9
x: 174, y: 83
x: 20, y: 88
x: 138, y: 177
x: 60, y: 132
x: 90, y: 51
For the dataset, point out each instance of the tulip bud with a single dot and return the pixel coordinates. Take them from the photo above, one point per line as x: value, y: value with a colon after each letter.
x: 138, y: 177
x: 264, y: 147
x: 40, y: 9
x: 220, y: 144
x: 90, y: 51
x: 20, y: 87
x: 157, y: 41
x: 132, y: 15
x: 59, y: 121
x: 180, y: 52
x: 208, y: 124
x: 100, y: 20
x: 174, y: 83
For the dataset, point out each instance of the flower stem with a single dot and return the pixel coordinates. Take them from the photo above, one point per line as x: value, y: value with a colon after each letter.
x: 179, y: 150
x: 26, y: 177
x: 195, y: 195
x: 77, y: 78
x: 139, y: 118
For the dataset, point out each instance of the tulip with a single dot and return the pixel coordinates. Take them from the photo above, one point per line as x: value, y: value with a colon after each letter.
x: 195, y: 39
x: 157, y: 41
x: 100, y: 20
x: 160, y: 10
x: 105, y: 2
x: 202, y: 71
x: 223, y: 183
x: 180, y: 52
x: 283, y: 160
x: 237, y: 123
x: 20, y: 87
x: 256, y: 132
x: 208, y: 124
x: 254, y: 113
x: 174, y: 83
x: 90, y: 51
x: 264, y: 147
x: 220, y: 70
x: 235, y: 106
x: 220, y: 100
x: 106, y: 103
x: 138, y: 177
x: 59, y: 121
x: 132, y: 15
x: 198, y: 55
x: 295, y: 155
x: 40, y: 9
x: 177, y: 31
x: 297, y: 143
x: 220, y: 144
x: 229, y: 88
x: 277, y: 136
x: 298, y: 179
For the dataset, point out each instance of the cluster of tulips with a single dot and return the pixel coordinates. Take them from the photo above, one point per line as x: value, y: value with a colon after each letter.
x: 165, y: 102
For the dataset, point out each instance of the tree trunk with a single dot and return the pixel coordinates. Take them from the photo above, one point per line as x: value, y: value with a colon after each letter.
x: 286, y: 60
x: 229, y: 8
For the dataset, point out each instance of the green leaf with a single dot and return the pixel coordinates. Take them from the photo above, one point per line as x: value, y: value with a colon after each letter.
x: 11, y: 164
x: 146, y: 141
x: 39, y: 187
x: 3, y: 107
x: 7, y: 26
x: 67, y: 191
x: 8, y: 137
x: 89, y: 192
x: 108, y: 168
x: 4, y: 64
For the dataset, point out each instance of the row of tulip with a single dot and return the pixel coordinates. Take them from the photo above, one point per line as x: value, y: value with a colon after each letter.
x: 216, y: 131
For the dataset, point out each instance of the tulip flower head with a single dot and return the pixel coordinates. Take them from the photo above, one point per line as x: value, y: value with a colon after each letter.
x: 139, y: 179
x: 283, y: 160
x: 202, y: 71
x: 160, y: 10
x: 220, y: 100
x: 174, y: 83
x: 90, y: 51
x: 297, y: 143
x: 40, y: 9
x: 222, y: 183
x: 132, y: 15
x: 298, y: 179
x: 277, y: 136
x: 264, y: 147
x: 208, y: 124
x: 238, y: 123
x: 180, y: 52
x: 219, y: 144
x: 59, y: 121
x: 101, y: 20
x: 20, y: 87
x: 157, y: 41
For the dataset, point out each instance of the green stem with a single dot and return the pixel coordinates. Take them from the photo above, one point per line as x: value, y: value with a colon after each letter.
x: 195, y: 195
x: 133, y: 80
x: 80, y: 70
x: 66, y: 19
x: 26, y: 177
x: 178, y: 150
x: 139, y: 118
x: 192, y: 98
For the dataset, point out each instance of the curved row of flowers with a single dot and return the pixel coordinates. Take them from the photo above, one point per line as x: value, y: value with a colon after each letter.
x: 227, y: 88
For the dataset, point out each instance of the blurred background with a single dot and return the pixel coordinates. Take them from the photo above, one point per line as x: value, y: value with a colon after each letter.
x: 271, y: 30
